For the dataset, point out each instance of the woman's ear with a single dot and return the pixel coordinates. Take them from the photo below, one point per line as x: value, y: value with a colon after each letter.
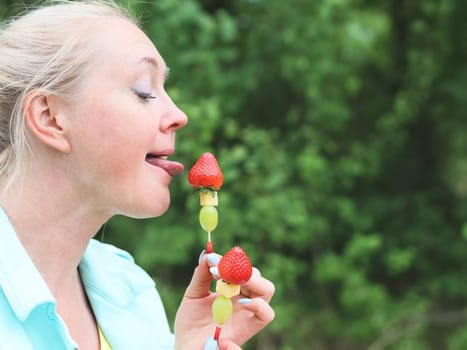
x: 46, y: 120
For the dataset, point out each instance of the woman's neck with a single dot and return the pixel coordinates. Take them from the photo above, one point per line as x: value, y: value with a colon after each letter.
x: 54, y: 225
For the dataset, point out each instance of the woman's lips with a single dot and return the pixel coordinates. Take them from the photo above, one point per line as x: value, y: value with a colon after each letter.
x: 172, y: 168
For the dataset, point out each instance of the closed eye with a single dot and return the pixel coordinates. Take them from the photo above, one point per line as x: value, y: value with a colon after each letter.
x: 145, y: 96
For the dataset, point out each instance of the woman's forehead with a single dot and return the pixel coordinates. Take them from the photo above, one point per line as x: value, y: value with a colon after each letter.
x: 119, y: 41
x: 120, y: 35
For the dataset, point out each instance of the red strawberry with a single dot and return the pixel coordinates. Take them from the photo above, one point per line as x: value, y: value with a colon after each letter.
x: 235, y: 267
x: 206, y: 173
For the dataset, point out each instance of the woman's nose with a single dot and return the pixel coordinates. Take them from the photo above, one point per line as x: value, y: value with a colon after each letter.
x: 173, y: 118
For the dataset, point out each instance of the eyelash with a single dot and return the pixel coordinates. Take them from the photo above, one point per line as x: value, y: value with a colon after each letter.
x: 145, y: 96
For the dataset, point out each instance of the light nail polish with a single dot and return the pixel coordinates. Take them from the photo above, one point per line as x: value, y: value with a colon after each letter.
x: 201, y: 256
x: 213, y: 259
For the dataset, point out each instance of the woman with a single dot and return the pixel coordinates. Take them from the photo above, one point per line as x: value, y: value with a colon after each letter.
x: 86, y: 132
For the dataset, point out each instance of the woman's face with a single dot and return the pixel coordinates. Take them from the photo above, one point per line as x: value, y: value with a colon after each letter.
x: 123, y: 125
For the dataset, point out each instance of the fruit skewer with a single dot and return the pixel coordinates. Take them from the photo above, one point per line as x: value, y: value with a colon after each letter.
x: 206, y: 177
x: 234, y: 267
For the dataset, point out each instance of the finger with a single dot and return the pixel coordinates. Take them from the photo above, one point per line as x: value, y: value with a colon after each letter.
x: 258, y: 286
x: 260, y: 308
x: 201, y: 281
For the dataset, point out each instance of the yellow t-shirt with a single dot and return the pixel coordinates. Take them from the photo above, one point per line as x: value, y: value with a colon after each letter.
x: 103, y: 341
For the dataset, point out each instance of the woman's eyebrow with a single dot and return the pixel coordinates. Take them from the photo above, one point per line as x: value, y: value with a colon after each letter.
x: 152, y: 61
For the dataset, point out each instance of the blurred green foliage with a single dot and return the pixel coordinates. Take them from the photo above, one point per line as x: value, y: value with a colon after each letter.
x: 340, y: 128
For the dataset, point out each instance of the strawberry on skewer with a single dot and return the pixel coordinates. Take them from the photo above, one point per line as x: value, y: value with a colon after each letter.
x: 206, y: 177
x: 235, y: 267
x: 234, y: 270
x: 206, y: 173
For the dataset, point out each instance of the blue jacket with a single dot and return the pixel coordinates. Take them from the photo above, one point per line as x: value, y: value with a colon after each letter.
x: 123, y: 297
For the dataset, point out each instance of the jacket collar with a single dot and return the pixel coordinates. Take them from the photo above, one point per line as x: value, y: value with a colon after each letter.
x: 20, y: 280
x: 110, y: 273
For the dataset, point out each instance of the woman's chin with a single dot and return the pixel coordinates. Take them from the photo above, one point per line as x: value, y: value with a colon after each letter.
x: 148, y: 210
x: 159, y: 207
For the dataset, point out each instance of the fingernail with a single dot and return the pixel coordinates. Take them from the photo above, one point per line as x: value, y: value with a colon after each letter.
x: 201, y: 256
x: 211, y: 344
x: 213, y: 259
x: 244, y: 301
x: 214, y: 272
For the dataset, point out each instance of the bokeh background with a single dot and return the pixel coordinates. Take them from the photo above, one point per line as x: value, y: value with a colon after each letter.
x: 340, y: 126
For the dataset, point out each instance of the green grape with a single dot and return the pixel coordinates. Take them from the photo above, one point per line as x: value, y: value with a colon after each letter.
x: 208, y: 218
x: 222, y: 309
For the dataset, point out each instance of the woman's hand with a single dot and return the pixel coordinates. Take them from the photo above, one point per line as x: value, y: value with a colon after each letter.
x: 194, y: 323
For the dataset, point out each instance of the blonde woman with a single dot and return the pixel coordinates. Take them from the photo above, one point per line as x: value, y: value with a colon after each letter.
x: 87, y: 131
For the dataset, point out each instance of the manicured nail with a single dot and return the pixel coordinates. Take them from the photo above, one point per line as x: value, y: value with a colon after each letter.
x: 213, y: 259
x: 214, y: 272
x: 211, y: 344
x: 201, y: 256
x: 244, y: 301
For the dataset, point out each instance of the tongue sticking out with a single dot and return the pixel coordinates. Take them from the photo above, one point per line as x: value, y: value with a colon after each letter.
x: 172, y: 168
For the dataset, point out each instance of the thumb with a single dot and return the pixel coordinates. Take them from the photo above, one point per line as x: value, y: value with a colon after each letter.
x: 200, y: 282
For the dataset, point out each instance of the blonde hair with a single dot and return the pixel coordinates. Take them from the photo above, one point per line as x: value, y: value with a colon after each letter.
x: 46, y: 48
